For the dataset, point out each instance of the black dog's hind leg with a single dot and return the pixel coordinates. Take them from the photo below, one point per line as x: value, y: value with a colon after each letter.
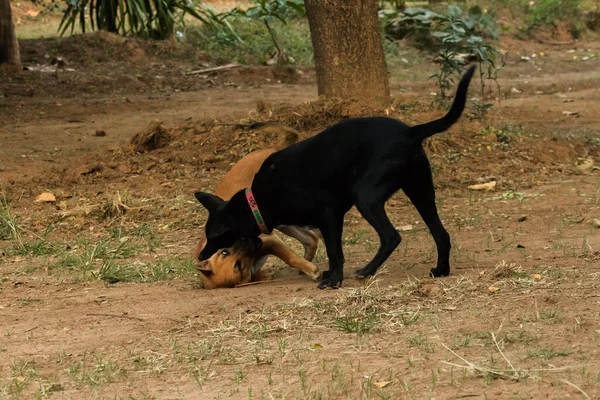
x: 331, y: 228
x: 422, y: 194
x: 374, y: 212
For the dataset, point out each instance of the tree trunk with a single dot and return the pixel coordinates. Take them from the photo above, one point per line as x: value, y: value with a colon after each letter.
x: 348, y: 53
x: 9, y: 47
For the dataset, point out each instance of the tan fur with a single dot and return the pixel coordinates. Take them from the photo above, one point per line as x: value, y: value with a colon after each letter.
x: 220, y: 270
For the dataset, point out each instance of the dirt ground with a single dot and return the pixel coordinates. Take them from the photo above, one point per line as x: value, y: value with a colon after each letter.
x: 99, y: 298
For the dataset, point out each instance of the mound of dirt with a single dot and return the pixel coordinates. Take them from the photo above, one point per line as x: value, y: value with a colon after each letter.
x: 562, y: 33
x: 155, y: 136
x: 464, y: 154
x: 313, y: 115
x: 85, y: 49
x: 470, y: 152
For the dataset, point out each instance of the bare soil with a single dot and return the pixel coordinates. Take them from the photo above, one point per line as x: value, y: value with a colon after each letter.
x: 99, y: 299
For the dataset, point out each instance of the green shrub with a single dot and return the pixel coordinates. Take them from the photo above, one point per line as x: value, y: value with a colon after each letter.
x: 552, y: 12
x: 253, y: 44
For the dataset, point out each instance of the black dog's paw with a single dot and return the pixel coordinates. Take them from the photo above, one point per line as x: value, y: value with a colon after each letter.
x: 363, y: 273
x: 331, y: 282
x: 439, y: 272
x: 325, y: 274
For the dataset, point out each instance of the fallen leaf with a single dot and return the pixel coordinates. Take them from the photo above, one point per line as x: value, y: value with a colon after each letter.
x: 570, y: 113
x: 315, y: 346
x: 405, y: 228
x: 596, y: 223
x: 585, y: 165
x: 381, y: 384
x: 45, y: 197
x: 493, y: 289
x: 537, y: 277
x: 20, y: 378
x: 515, y: 90
x: 484, y: 186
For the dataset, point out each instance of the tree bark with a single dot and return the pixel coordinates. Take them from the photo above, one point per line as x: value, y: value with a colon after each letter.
x: 348, y: 52
x: 9, y: 47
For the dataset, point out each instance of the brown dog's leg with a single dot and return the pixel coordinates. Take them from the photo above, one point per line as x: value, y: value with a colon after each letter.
x: 307, y: 238
x: 273, y: 245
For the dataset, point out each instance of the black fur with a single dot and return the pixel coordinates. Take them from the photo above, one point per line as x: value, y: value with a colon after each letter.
x: 361, y: 162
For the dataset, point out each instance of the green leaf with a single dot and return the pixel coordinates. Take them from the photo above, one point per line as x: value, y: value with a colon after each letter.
x: 454, y: 11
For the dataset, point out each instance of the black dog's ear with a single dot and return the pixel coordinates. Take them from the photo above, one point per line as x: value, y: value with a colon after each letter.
x: 209, y: 201
x: 257, y: 243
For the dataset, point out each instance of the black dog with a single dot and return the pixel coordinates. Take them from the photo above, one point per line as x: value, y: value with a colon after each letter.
x: 313, y: 183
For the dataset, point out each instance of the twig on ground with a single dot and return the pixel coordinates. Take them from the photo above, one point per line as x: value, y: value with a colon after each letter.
x: 215, y: 69
x: 587, y: 396
x: 257, y: 283
x: 114, y: 316
x: 474, y: 367
x: 516, y: 374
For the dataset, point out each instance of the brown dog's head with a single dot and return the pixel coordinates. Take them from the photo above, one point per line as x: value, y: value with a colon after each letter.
x: 228, y: 267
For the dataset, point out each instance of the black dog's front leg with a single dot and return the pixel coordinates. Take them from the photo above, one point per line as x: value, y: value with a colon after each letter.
x: 331, y: 229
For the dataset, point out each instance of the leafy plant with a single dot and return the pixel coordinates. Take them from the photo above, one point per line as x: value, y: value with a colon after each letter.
x: 146, y: 18
x: 265, y: 32
x: 394, y: 4
x: 458, y: 38
x: 266, y: 11
x: 552, y: 12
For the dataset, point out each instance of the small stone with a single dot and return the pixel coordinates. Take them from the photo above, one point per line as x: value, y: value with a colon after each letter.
x: 522, y: 218
x: 100, y: 133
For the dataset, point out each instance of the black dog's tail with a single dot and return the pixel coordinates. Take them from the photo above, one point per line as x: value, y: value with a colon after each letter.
x: 423, y: 131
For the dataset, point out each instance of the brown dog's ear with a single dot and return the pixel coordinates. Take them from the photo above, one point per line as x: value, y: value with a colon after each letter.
x: 205, y: 269
x: 209, y: 201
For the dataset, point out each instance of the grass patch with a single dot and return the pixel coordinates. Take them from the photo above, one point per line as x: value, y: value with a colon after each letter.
x: 10, y: 229
x: 359, y: 324
x: 94, y: 370
x: 23, y: 372
x: 110, y: 260
x: 551, y: 316
x: 9, y: 226
x: 27, y: 301
x: 421, y: 341
x: 546, y: 353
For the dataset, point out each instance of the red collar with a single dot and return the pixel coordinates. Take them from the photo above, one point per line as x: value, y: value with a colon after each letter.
x: 256, y: 212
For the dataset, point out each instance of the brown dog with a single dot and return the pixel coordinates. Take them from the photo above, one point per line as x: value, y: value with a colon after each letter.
x: 241, y: 264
